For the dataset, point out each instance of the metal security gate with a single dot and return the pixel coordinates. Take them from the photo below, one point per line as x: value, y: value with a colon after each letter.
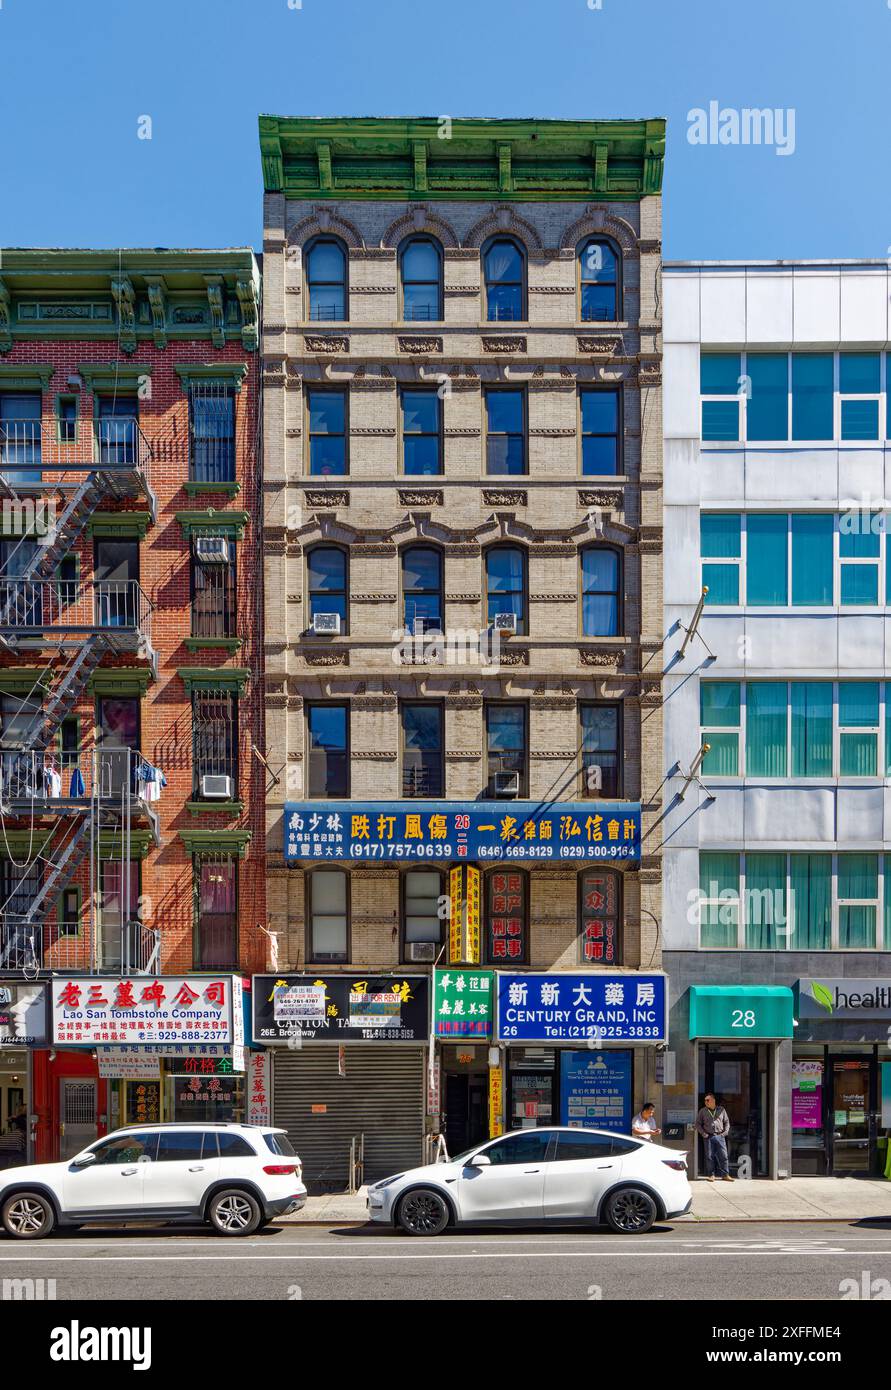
x: 381, y: 1096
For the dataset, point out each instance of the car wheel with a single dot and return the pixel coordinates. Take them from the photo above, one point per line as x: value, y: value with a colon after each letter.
x: 28, y: 1216
x: 630, y: 1210
x: 423, y: 1213
x: 234, y: 1213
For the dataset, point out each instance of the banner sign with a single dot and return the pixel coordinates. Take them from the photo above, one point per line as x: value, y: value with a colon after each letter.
x: 568, y: 1007
x: 259, y: 1094
x: 595, y: 1090
x: 463, y: 1003
x: 341, y: 1008
x: 136, y: 1009
x: 496, y: 1102
x: 116, y: 1064
x: 474, y: 830
x: 22, y: 1015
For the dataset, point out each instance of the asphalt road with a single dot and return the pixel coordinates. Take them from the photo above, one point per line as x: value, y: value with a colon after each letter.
x: 740, y: 1261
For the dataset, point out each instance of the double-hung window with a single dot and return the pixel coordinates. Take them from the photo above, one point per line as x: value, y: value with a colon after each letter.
x: 720, y: 542
x: 858, y: 728
x: 329, y: 749
x: 328, y: 433
x: 720, y: 376
x: 212, y: 428
x: 421, y: 433
x: 859, y: 385
x: 601, y: 437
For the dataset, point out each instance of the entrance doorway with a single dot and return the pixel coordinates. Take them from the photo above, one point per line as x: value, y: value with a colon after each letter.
x: 77, y: 1107
x: 466, y: 1110
x: 852, y: 1141
x: 739, y: 1078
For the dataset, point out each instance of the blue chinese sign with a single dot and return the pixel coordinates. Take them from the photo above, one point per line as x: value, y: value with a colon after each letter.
x: 474, y: 830
x: 566, y: 1008
x: 595, y: 1090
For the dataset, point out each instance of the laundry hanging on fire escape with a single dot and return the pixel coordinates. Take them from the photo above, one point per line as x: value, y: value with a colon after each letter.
x: 150, y: 780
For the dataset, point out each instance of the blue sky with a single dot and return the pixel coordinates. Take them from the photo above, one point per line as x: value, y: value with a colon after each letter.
x: 77, y: 75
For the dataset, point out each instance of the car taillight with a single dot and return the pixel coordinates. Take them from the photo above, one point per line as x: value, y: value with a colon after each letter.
x: 279, y: 1170
x: 679, y: 1164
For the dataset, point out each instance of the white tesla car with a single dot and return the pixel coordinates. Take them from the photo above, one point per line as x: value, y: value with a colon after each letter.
x: 540, y: 1175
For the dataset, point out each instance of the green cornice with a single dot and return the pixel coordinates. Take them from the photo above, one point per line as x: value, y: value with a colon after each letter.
x: 120, y: 680
x: 18, y: 680
x: 226, y: 644
x: 110, y: 843
x: 26, y: 375
x: 23, y: 844
x: 216, y: 841
x: 232, y: 373
x: 231, y: 678
x: 225, y: 523
x: 119, y: 524
x: 434, y: 158
x: 109, y: 376
x: 230, y: 809
x: 195, y: 489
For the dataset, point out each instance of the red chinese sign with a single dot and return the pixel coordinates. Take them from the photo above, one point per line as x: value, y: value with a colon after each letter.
x: 171, y: 1009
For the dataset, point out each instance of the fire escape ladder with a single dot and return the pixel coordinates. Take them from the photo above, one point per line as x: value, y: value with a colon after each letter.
x: 61, y: 870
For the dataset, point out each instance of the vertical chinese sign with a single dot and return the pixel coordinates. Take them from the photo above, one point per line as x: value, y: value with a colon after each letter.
x: 464, y: 915
x: 258, y: 1108
x: 496, y: 1102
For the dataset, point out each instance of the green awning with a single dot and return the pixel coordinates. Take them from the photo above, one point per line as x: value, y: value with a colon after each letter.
x: 741, y: 1012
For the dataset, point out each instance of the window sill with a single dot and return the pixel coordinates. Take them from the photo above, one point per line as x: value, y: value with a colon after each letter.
x: 229, y: 809
x: 227, y: 644
x: 195, y: 489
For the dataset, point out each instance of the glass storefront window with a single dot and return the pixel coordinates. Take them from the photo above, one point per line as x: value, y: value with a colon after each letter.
x: 217, y: 1098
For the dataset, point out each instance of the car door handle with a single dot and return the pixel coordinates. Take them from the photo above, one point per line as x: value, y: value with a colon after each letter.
x: 199, y: 1168
x: 531, y: 1170
x: 128, y: 1172
x: 604, y: 1165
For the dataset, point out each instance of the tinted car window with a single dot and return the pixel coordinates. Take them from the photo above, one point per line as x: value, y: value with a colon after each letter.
x: 126, y: 1148
x: 583, y: 1145
x: 280, y: 1144
x: 626, y: 1146
x: 233, y: 1146
x: 176, y: 1145
x: 528, y: 1147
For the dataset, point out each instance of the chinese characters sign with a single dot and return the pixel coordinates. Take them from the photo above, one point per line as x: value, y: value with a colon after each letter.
x: 566, y: 1008
x: 464, y: 915
x: 170, y: 1009
x: 600, y: 934
x: 507, y: 916
x: 463, y: 1003
x: 259, y: 1111
x: 496, y: 1102
x: 595, y: 1090
x: 473, y: 830
x: 341, y: 1008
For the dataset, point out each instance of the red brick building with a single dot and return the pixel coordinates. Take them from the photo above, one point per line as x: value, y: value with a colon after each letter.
x: 132, y: 796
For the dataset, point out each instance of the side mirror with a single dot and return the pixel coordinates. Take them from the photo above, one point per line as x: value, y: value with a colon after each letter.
x: 480, y: 1161
x: 84, y: 1160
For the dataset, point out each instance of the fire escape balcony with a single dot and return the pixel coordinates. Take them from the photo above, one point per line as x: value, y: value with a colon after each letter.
x: 49, y: 783
x: 34, y: 458
x: 45, y: 612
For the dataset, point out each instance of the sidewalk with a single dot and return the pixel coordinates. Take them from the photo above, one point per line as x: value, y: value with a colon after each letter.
x: 793, y: 1199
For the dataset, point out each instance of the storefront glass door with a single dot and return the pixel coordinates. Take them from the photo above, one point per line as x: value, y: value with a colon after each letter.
x: 739, y: 1080
x: 852, y: 1104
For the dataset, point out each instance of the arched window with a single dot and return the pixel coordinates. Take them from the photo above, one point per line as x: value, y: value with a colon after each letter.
x: 326, y: 280
x: 422, y: 589
x: 507, y: 916
x: 506, y: 586
x: 601, y: 573
x: 326, y: 567
x: 421, y: 261
x: 600, y: 900
x: 600, y: 281
x: 504, y: 269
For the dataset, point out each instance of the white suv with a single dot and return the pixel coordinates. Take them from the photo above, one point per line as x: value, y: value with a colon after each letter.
x: 234, y: 1177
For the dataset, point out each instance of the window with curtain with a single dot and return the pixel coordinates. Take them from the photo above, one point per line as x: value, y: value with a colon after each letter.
x: 328, y: 434
x: 810, y: 902
x: 718, y: 900
x: 886, y: 872
x: 599, y: 281
x: 858, y: 893
x: 812, y: 395
x: 326, y: 575
x: 326, y: 281
x: 504, y: 271
x: 421, y: 891
x: 858, y: 723
x: 507, y: 916
x: 766, y: 723
x: 421, y: 433
x: 767, y: 559
x: 812, y: 560
x: 421, y: 263
x: 720, y: 544
x: 765, y: 902
x: 719, y: 708
x: 505, y: 432
x: 328, y: 915
x: 601, y: 734
x: 506, y: 584
x: 119, y: 914
x: 767, y: 404
x: 216, y: 921
x: 599, y: 411
x: 859, y: 384
x: 859, y: 544
x: 601, y: 570
x: 599, y: 926
x: 811, y: 703
x: 719, y: 384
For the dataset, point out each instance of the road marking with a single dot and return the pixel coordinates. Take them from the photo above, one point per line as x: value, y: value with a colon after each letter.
x: 472, y: 1254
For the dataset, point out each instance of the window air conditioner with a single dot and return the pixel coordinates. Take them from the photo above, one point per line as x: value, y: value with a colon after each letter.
x: 505, y: 622
x: 421, y: 951
x: 507, y: 783
x: 216, y: 788
x: 327, y: 623
x: 212, y: 550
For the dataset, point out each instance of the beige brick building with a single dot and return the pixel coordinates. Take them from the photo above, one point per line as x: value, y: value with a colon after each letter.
x: 462, y: 385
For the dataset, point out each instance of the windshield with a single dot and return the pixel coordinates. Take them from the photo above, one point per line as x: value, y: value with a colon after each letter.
x: 280, y: 1144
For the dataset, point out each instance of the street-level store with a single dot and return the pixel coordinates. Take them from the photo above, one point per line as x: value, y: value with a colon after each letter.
x: 23, y: 1028
x: 348, y: 1070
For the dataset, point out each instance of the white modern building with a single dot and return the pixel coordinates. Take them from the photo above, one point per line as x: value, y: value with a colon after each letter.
x: 777, y: 850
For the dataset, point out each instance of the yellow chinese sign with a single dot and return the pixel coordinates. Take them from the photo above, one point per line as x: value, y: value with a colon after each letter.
x: 496, y: 1102
x: 464, y: 915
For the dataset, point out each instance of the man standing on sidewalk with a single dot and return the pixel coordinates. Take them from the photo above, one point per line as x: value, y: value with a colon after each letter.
x: 713, y: 1123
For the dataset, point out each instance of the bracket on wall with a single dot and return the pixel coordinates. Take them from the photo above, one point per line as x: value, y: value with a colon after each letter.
x: 693, y: 774
x: 693, y: 630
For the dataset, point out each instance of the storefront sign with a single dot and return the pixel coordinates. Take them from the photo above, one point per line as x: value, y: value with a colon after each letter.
x: 22, y: 1015
x: 258, y: 1107
x: 169, y: 1009
x: 564, y: 1008
x: 358, y: 1008
x: 128, y: 1066
x: 473, y: 830
x: 434, y: 1087
x: 741, y: 1011
x: 144, y: 1102
x: 463, y: 1003
x: 194, y: 1093
x: 496, y: 1102
x: 844, y: 999
x: 807, y: 1093
x: 130, y: 1060
x: 595, y: 1090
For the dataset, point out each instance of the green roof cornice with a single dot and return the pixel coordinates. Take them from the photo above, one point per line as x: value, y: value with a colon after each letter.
x: 232, y: 679
x: 230, y: 373
x: 438, y: 158
x: 216, y: 523
x: 216, y: 842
